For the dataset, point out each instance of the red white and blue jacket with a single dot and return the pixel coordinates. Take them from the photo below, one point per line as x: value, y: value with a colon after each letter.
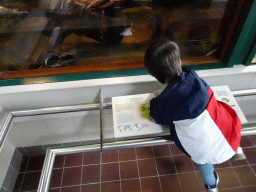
x: 207, y: 130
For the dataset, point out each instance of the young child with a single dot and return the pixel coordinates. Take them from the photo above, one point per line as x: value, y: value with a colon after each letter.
x: 205, y: 129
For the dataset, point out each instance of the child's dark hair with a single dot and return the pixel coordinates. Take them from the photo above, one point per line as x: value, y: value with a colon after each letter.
x: 162, y: 60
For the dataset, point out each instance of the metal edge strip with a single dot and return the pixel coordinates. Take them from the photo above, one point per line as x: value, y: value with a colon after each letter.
x: 45, y: 178
x: 135, y: 143
x: 53, y: 110
x: 242, y: 93
x: 51, y: 154
x: 5, y: 128
x: 7, y: 120
x: 46, y: 171
x: 248, y: 131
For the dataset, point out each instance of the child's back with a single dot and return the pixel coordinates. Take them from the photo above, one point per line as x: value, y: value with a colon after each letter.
x: 208, y: 130
x: 205, y: 129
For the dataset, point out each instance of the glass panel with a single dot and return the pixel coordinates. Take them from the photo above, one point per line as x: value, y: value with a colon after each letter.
x: 245, y: 104
x: 109, y: 134
x: 64, y: 129
x: 127, y: 131
x: 63, y: 33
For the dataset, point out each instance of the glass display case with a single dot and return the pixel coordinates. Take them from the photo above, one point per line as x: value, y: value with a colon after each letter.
x: 42, y: 38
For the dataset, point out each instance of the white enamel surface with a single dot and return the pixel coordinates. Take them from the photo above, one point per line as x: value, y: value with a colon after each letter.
x: 6, y: 154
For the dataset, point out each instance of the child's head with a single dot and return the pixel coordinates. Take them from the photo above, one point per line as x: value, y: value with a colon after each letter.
x: 162, y: 60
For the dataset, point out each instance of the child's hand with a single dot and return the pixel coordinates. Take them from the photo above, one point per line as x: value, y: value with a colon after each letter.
x: 156, y: 93
x: 145, y: 110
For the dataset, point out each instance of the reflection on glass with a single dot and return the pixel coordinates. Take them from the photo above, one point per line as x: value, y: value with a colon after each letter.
x: 62, y: 33
x: 254, y: 59
x: 55, y: 130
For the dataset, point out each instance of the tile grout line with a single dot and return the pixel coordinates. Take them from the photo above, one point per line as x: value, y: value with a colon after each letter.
x: 33, y: 171
x: 252, y: 170
x: 157, y: 170
x: 199, y: 171
x: 113, y: 162
x: 26, y: 150
x: 56, y: 188
x: 5, y: 189
x: 82, y: 172
x: 251, y: 167
x: 147, y: 158
x: 231, y: 167
x: 238, y: 187
x: 44, y: 147
x: 78, y: 166
x: 138, y: 168
x: 246, y: 165
x: 195, y: 170
x: 119, y: 171
x: 146, y: 177
x: 24, y: 174
x: 62, y: 172
x: 175, y: 168
x: 14, y: 169
x: 123, y: 179
x: 137, y: 178
x: 249, y: 147
x: 215, y: 169
x: 254, y: 144
x: 237, y: 178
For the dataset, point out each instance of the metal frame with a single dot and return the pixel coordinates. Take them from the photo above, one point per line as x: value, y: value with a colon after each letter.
x: 51, y: 153
x: 247, y: 129
x: 243, y: 36
x: 251, y: 54
x: 10, y: 115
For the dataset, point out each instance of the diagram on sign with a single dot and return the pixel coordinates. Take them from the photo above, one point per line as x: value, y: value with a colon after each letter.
x: 131, y: 115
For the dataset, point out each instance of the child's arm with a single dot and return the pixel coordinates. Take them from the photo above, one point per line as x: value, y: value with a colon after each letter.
x: 156, y: 93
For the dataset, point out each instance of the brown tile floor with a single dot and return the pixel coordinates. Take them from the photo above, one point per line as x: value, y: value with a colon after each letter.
x: 147, y: 169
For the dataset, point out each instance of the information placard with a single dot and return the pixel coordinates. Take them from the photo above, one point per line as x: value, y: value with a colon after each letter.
x: 131, y: 113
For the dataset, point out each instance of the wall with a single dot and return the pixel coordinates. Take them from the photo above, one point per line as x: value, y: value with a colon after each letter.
x: 10, y: 160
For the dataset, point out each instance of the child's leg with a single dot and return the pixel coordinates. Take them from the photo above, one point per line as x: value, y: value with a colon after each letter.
x: 207, y: 173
